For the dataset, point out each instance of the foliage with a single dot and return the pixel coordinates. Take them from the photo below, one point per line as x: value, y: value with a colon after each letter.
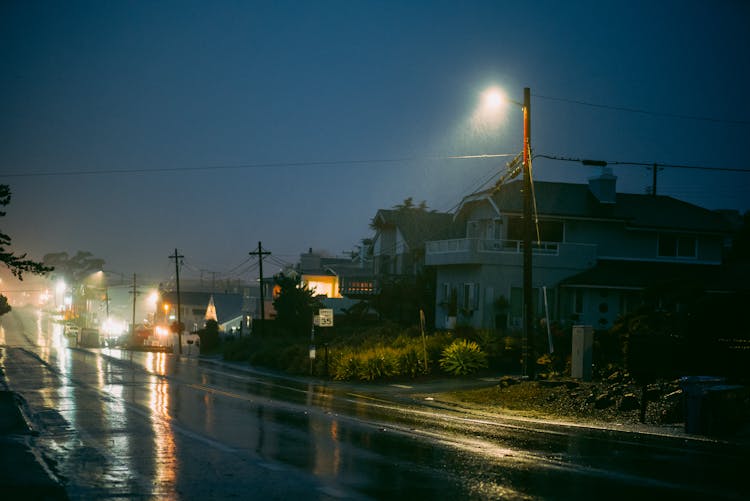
x: 405, y: 207
x: 73, y: 269
x: 16, y: 263
x: 295, y: 304
x: 401, y: 298
x: 463, y: 357
x: 547, y: 366
x: 209, y: 336
x: 378, y: 363
x: 237, y: 349
x: 4, y: 306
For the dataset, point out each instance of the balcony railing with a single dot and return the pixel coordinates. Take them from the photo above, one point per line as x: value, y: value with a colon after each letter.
x: 481, y: 245
x: 509, y: 252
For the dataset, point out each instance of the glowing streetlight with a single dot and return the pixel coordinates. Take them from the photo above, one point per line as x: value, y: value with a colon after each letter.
x: 493, y: 98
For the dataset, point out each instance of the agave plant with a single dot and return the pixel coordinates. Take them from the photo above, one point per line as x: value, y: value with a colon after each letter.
x: 463, y: 357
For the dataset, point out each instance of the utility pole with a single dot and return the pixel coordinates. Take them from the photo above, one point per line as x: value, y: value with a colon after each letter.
x: 134, y: 292
x: 260, y: 253
x: 528, y: 229
x: 654, y: 170
x: 177, y: 258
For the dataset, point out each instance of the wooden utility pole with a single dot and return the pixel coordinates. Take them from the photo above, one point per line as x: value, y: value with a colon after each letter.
x: 177, y: 258
x: 528, y: 229
x: 134, y: 292
x: 260, y: 253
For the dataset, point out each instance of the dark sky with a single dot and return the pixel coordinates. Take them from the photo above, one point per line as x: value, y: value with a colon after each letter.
x: 211, y: 122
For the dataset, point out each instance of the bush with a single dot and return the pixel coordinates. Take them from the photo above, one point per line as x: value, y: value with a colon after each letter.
x: 378, y: 364
x: 344, y: 366
x: 209, y: 336
x: 463, y: 357
x: 237, y: 349
x: 411, y: 363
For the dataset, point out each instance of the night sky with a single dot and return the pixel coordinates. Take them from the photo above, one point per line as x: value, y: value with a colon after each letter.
x: 129, y: 129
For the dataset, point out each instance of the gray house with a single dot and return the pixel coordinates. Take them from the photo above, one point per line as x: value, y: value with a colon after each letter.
x: 595, y: 253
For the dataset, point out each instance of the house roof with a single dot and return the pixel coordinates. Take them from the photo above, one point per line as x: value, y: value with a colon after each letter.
x: 577, y: 201
x: 418, y: 226
x: 615, y: 274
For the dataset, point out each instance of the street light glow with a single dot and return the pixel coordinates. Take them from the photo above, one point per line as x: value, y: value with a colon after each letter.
x: 493, y: 98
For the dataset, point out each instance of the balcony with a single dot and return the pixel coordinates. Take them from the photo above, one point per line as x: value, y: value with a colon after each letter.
x: 507, y: 252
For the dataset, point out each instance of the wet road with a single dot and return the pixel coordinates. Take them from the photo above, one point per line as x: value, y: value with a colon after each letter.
x: 147, y: 425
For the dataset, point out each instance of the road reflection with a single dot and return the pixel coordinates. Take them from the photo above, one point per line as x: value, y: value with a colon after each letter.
x: 165, y: 466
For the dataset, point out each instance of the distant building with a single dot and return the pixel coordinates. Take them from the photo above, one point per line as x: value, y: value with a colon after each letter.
x: 195, y: 307
x: 595, y: 252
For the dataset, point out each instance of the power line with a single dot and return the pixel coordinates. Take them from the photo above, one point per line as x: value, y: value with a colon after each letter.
x: 640, y: 164
x: 645, y: 112
x: 269, y: 165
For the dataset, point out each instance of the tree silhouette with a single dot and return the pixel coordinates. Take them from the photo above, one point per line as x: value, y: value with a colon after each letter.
x: 295, y: 304
x: 17, y: 263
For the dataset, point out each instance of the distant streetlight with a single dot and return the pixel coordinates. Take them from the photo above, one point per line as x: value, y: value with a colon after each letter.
x: 492, y: 99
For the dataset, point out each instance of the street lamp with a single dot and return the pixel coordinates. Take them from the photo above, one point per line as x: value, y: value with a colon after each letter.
x: 492, y: 99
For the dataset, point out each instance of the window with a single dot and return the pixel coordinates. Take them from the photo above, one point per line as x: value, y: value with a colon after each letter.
x: 445, y: 293
x: 549, y: 231
x: 677, y: 246
x: 470, y: 299
x: 472, y: 229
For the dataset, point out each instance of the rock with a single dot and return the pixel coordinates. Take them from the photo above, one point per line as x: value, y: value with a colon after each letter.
x: 672, y: 410
x: 629, y: 402
x: 506, y: 381
x: 603, y: 401
x: 549, y: 383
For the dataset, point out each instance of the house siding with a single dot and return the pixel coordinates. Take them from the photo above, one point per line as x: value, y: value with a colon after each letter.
x: 496, y: 265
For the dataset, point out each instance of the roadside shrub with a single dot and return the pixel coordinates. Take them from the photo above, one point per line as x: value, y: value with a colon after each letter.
x: 344, y: 366
x: 411, y: 362
x: 463, y: 357
x: 209, y: 336
x: 378, y: 364
x: 237, y: 349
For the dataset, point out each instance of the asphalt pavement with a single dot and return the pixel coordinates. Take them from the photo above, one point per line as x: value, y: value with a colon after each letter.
x: 25, y: 475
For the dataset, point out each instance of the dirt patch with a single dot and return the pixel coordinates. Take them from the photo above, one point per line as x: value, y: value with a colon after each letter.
x: 613, y: 401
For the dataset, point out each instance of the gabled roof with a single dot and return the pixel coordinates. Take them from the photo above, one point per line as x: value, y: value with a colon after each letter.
x: 576, y: 201
x: 418, y: 226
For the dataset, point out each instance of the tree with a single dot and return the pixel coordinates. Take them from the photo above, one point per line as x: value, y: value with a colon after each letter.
x: 406, y: 207
x: 4, y: 306
x: 74, y: 269
x: 17, y: 263
x: 209, y: 335
x: 295, y: 303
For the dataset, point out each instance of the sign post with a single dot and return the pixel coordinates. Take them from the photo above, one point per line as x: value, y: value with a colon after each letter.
x: 324, y: 318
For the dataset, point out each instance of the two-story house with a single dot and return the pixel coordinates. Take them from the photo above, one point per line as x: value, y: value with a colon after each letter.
x: 398, y: 246
x: 595, y: 252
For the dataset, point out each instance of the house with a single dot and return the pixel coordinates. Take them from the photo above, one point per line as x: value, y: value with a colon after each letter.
x: 195, y: 305
x: 595, y: 253
x: 322, y: 275
x: 400, y: 235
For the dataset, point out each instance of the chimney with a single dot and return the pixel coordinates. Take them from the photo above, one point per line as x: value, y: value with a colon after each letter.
x: 603, y: 186
x: 310, y: 261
